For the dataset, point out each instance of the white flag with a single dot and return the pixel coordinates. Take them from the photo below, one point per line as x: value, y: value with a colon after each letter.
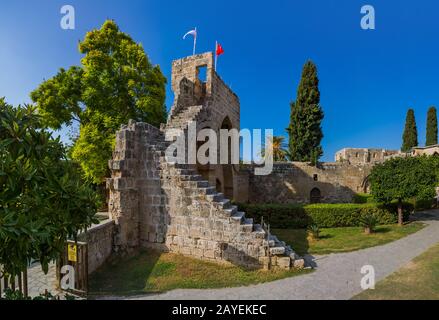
x: 192, y: 32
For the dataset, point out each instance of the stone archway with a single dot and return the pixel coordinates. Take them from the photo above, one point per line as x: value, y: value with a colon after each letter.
x: 227, y: 169
x: 315, y: 195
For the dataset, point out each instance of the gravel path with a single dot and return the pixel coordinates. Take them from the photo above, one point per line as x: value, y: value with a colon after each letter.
x: 337, y: 276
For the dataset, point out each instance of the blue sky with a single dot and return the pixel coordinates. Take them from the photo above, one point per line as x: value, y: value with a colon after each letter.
x: 368, y: 79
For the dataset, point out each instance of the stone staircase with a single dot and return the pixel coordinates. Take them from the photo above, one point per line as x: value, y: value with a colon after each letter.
x: 276, y: 253
x: 180, y: 119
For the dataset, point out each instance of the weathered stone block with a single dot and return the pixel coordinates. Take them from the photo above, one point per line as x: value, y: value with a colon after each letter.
x: 284, y: 263
x: 299, y: 264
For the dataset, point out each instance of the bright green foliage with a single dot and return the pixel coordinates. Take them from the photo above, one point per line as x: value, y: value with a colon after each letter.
x: 115, y: 83
x: 305, y: 129
x: 42, y: 197
x: 410, y: 136
x: 403, y: 179
x: 431, y: 127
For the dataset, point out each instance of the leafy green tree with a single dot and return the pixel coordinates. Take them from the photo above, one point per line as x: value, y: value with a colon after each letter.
x: 43, y: 199
x: 305, y: 129
x: 410, y: 136
x: 114, y: 83
x: 431, y: 127
x: 401, y: 179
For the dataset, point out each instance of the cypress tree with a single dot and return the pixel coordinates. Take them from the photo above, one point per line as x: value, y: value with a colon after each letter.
x: 305, y: 129
x: 410, y: 136
x: 431, y: 127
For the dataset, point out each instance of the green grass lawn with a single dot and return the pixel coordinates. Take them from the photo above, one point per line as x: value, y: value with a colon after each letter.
x: 335, y: 240
x: 419, y: 280
x: 150, y: 272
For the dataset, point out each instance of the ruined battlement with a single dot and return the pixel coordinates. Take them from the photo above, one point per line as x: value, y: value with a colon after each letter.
x: 363, y: 155
x: 195, y: 82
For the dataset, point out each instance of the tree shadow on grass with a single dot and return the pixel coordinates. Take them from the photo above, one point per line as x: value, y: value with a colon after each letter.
x: 296, y: 238
x: 382, y: 230
x: 126, y: 275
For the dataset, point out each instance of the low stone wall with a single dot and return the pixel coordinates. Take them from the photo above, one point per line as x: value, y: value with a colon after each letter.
x: 100, y: 244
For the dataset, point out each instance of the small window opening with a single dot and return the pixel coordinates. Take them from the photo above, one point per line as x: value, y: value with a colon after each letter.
x: 202, y: 73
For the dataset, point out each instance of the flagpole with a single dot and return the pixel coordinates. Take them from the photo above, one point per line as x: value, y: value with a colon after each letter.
x: 195, y: 40
x: 216, y: 56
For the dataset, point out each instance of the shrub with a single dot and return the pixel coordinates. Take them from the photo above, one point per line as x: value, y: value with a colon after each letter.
x: 368, y: 222
x: 360, y: 198
x: 314, y: 231
x: 323, y: 215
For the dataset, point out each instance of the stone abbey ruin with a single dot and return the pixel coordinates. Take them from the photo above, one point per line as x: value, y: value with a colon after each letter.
x: 188, y: 209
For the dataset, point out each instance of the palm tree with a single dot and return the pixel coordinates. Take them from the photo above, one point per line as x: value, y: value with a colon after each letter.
x: 278, y: 148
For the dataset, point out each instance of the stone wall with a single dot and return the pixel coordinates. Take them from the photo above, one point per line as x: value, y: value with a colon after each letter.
x: 136, y: 200
x: 363, y: 155
x: 99, y: 240
x: 428, y: 151
x: 294, y: 182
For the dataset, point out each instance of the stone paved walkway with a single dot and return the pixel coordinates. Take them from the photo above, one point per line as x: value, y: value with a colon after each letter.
x: 38, y: 282
x: 337, y: 276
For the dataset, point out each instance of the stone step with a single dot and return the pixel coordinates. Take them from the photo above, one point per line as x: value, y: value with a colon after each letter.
x: 231, y: 211
x: 238, y: 216
x: 259, y: 232
x: 185, y: 172
x: 202, y: 183
x: 247, y: 225
x: 195, y: 184
x: 183, y: 166
x: 216, y: 197
x: 207, y: 191
x: 224, y: 203
x: 191, y: 177
x: 271, y: 243
x: 277, y: 251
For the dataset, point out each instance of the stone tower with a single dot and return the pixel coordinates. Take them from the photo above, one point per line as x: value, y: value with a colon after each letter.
x: 195, y: 83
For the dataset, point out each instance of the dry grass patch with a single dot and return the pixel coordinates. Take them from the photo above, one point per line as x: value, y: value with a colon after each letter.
x: 151, y: 272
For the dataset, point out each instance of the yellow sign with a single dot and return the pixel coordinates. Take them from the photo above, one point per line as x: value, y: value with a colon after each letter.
x: 72, y: 252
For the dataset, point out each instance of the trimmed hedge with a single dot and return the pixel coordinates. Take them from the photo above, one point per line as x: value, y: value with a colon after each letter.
x: 363, y: 198
x: 324, y: 215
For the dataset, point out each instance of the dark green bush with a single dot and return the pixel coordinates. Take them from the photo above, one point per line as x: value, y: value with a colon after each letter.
x: 424, y: 204
x: 360, y: 198
x: 323, y: 215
